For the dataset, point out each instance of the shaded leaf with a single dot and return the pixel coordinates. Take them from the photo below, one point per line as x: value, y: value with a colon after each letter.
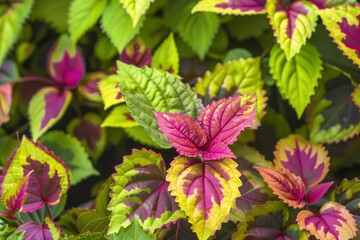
x: 356, y: 96
x: 103, y: 198
x: 8, y: 72
x: 136, y: 53
x: 90, y: 221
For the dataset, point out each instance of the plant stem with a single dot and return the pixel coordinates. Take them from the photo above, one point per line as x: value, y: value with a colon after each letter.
x: 48, y: 211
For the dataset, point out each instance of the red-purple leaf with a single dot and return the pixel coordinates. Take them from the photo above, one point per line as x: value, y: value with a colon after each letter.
x: 42, y: 189
x: 48, y: 230
x: 217, y: 150
x: 136, y: 53
x: 183, y: 133
x: 352, y: 33
x: 333, y: 222
x: 316, y: 192
x: 289, y: 187
x: 244, y: 5
x: 223, y: 120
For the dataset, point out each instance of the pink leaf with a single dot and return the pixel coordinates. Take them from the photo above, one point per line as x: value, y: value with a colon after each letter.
x: 183, y: 133
x: 217, y: 150
x: 315, y: 193
x: 48, y: 230
x: 223, y: 120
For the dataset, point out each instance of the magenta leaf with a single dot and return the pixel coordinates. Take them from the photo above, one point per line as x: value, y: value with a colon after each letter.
x: 223, y: 120
x: 315, y: 193
x: 48, y: 230
x: 217, y: 150
x: 42, y: 188
x: 352, y: 33
x: 244, y: 5
x: 137, y: 54
x: 183, y: 133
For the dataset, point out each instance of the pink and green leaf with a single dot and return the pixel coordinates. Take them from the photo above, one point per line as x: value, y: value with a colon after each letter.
x: 141, y: 191
x: 305, y: 159
x: 321, y: 4
x: 292, y: 23
x: 236, y: 7
x: 286, y: 185
x: 48, y: 230
x: 343, y: 23
x: 137, y: 54
x: 205, y: 191
x: 16, y: 168
x: 46, y: 108
x: 334, y: 221
x: 65, y: 63
x: 90, y: 89
x: 5, y: 102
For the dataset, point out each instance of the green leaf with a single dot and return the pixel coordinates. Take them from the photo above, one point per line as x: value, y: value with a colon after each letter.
x: 236, y: 54
x: 138, y: 134
x: 9, y: 233
x: 46, y: 108
x: 154, y: 31
x: 356, y: 96
x: 136, y: 8
x: 133, y: 232
x: 104, y: 50
x: 87, y: 236
x: 53, y: 12
x: 198, y: 30
x: 12, y: 17
x: 83, y: 14
x: 115, y: 20
x: 90, y: 221
x: 147, y: 90
x: 119, y: 117
x: 103, y: 198
x: 67, y: 221
x: 297, y: 78
x: 110, y: 92
x: 247, y: 25
x: 7, y: 145
x: 166, y: 57
x: 70, y: 150
x: 140, y: 191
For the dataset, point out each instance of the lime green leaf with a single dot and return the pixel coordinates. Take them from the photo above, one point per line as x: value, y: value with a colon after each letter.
x: 133, y: 232
x: 46, y: 108
x: 70, y: 150
x: 205, y: 191
x: 140, y: 135
x: 292, y: 24
x: 53, y: 12
x: 297, y: 78
x: 356, y: 96
x: 110, y: 91
x: 343, y: 23
x: 166, y: 57
x: 136, y: 8
x: 140, y: 191
x: 147, y: 90
x: 115, y: 20
x: 12, y: 17
x: 104, y: 50
x: 83, y: 14
x: 10, y: 233
x: 119, y: 117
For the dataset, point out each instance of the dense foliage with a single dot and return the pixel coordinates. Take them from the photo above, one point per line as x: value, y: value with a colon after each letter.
x: 180, y: 119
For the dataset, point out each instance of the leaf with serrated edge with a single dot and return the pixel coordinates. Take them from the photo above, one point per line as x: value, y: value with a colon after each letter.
x: 143, y: 196
x: 206, y: 191
x: 166, y: 57
x: 83, y: 14
x: 46, y: 108
x: 236, y: 7
x: 133, y: 232
x: 305, y: 159
x: 136, y: 8
x: 119, y: 117
x: 356, y: 96
x: 292, y: 24
x: 333, y: 222
x: 297, y: 78
x: 110, y: 91
x: 115, y: 20
x: 147, y: 90
x: 343, y: 23
x: 11, y: 21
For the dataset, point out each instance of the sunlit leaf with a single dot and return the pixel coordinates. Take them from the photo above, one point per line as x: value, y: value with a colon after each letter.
x: 133, y: 232
x: 237, y: 7
x: 136, y: 53
x: 136, y: 8
x: 110, y: 91
x: 119, y: 117
x: 166, y: 57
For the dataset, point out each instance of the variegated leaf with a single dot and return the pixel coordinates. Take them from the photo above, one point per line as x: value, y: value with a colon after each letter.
x: 236, y: 7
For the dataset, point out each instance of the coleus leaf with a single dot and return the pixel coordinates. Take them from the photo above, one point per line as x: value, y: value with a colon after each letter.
x: 67, y: 221
x: 90, y: 89
x: 70, y: 150
x: 136, y: 8
x: 14, y: 198
x: 293, y: 23
x: 83, y: 14
x: 48, y: 230
x: 110, y: 91
x: 321, y: 4
x: 8, y: 232
x: 90, y: 221
x: 103, y: 198
x: 45, y: 161
x: 88, y: 130
x: 8, y: 72
x: 119, y: 117
x: 5, y: 102
x: 133, y: 232
x: 139, y: 134
x: 333, y: 222
x: 12, y: 17
x: 305, y: 159
x: 218, y: 125
x: 65, y: 63
x: 137, y: 54
x: 343, y: 23
x: 297, y: 78
x: 46, y: 108
x: 166, y: 57
x: 356, y: 96
x: 147, y: 90
x: 234, y: 77
x: 316, y: 192
x: 143, y: 196
x: 237, y: 7
x: 115, y: 20
x: 205, y: 191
